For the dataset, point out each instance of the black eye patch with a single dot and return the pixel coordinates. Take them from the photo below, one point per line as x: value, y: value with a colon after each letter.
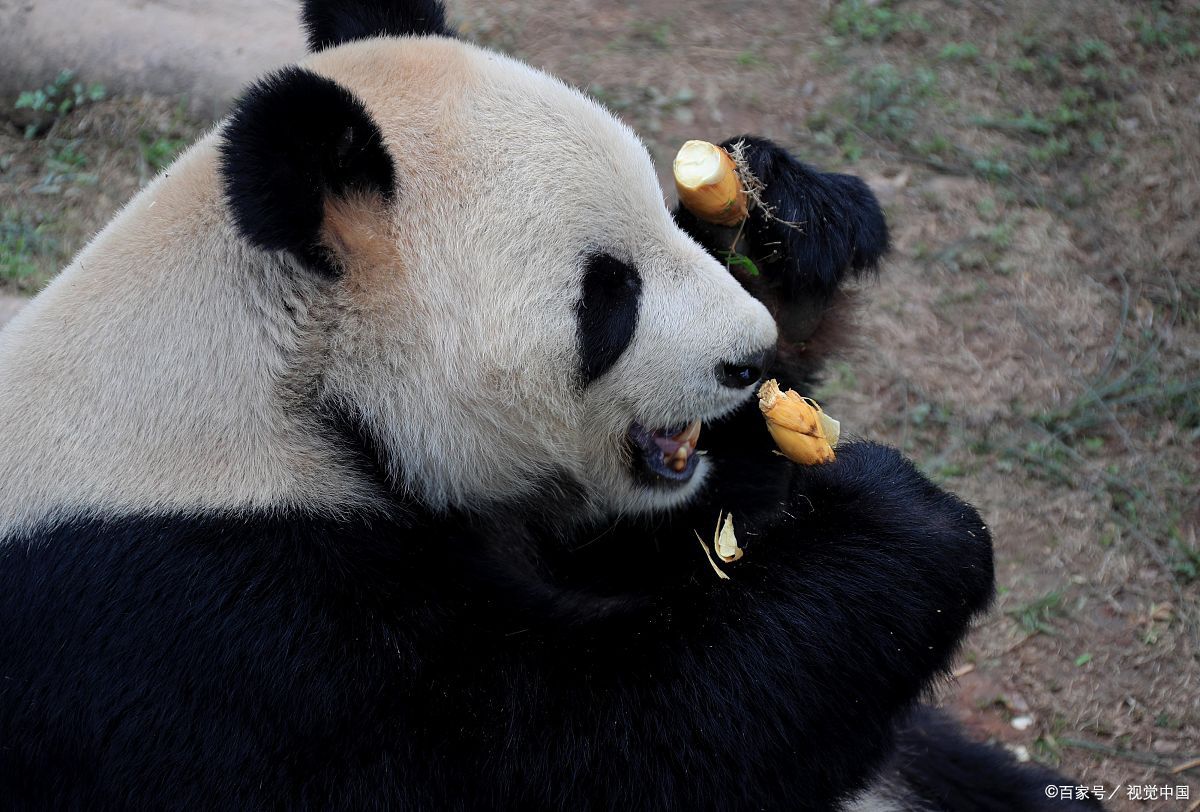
x: 607, y: 313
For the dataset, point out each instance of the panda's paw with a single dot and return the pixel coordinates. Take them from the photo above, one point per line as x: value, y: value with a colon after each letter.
x: 866, y: 470
x: 885, y: 491
x: 873, y: 503
x: 807, y: 233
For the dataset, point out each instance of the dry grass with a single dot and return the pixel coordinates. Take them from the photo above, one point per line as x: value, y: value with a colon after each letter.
x: 58, y: 188
x: 1033, y: 343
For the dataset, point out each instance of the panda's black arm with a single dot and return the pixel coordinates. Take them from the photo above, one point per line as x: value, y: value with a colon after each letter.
x: 814, y: 230
x: 852, y: 596
x: 817, y: 230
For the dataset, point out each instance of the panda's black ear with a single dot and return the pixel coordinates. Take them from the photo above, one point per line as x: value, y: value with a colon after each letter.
x: 332, y: 22
x: 295, y: 143
x: 822, y: 227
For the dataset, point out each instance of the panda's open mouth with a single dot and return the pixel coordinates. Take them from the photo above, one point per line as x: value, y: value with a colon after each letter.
x: 666, y: 455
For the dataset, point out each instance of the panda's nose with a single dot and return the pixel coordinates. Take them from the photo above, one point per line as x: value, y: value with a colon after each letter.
x: 746, y: 371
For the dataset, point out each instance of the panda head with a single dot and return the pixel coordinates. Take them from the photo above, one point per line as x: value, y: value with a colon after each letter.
x: 506, y: 306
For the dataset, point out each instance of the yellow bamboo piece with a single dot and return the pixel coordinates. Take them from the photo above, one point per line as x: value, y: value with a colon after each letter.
x: 803, y: 432
x: 708, y: 183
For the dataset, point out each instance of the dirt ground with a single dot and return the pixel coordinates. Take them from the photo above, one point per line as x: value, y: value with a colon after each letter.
x: 1032, y: 343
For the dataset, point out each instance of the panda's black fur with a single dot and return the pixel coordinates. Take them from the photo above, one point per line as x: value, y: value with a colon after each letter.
x: 815, y: 227
x: 607, y: 312
x: 409, y: 658
x: 332, y: 22
x: 413, y: 661
x: 294, y: 140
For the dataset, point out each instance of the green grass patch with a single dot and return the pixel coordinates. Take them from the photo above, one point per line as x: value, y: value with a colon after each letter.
x: 741, y: 263
x: 1184, y: 559
x: 1037, y: 616
x: 65, y: 165
x: 1026, y: 122
x: 1162, y: 33
x: 58, y: 98
x: 993, y: 168
x: 657, y: 34
x: 872, y: 21
x: 1092, y: 50
x: 1050, y: 150
x: 22, y: 241
x: 750, y: 59
x: 959, y: 52
x: 159, y: 150
x: 888, y: 100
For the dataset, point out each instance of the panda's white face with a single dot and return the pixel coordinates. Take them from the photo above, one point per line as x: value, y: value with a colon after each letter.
x: 549, y: 323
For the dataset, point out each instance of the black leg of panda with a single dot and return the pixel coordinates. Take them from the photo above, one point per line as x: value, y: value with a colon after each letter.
x: 294, y: 142
x: 935, y: 764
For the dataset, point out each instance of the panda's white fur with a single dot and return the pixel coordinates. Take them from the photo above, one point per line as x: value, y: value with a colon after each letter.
x: 878, y: 799
x: 162, y: 370
x: 144, y: 378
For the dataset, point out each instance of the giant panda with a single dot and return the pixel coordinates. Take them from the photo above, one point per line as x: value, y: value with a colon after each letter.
x: 333, y: 476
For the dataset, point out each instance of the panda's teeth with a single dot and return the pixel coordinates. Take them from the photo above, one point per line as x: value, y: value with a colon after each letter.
x: 678, y: 460
x: 689, y: 434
